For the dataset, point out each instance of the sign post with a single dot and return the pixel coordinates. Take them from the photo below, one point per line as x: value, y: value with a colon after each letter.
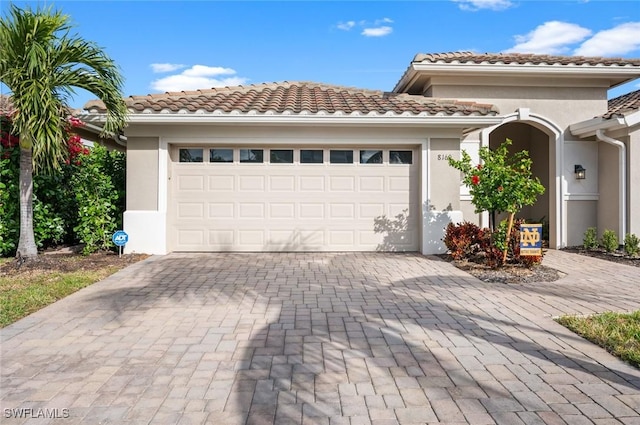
x: 531, y: 239
x: 120, y: 239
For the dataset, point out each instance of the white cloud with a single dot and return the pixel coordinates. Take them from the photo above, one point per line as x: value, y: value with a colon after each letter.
x: 620, y: 40
x: 346, y: 26
x: 165, y: 67
x: 377, y: 28
x: 552, y: 37
x: 383, y: 21
x: 377, y: 32
x: 198, y: 77
x: 475, y: 5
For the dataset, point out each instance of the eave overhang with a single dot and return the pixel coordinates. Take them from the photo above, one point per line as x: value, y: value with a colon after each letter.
x: 615, y: 74
x: 589, y: 128
x: 368, y: 120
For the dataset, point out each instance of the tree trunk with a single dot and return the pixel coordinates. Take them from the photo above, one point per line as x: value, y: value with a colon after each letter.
x: 27, y: 248
x: 506, y: 242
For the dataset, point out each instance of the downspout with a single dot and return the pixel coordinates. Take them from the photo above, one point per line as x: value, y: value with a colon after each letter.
x: 622, y: 164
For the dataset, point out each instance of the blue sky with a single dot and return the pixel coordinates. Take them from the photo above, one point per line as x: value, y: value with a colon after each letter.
x: 168, y: 46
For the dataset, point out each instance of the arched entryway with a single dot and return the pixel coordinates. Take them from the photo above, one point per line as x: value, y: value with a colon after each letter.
x: 543, y: 140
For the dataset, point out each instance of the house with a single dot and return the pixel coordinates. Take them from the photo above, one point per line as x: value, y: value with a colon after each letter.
x: 300, y: 166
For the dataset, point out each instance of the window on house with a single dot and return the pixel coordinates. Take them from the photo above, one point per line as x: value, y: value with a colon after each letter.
x: 370, y: 157
x: 311, y: 156
x: 251, y: 155
x: 191, y: 155
x: 221, y: 155
x: 281, y: 156
x: 400, y: 157
x: 340, y: 157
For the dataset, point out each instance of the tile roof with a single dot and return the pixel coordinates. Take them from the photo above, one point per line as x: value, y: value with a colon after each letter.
x: 520, y: 59
x: 295, y: 98
x: 622, y: 104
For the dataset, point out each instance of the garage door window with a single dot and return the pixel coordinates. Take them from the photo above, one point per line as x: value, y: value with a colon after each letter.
x: 191, y: 155
x: 400, y: 157
x: 281, y: 156
x: 251, y: 155
x: 370, y: 157
x: 221, y: 155
x: 341, y: 157
x: 311, y: 156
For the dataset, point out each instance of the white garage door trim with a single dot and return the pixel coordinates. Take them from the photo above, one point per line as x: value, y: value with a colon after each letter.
x: 239, y: 206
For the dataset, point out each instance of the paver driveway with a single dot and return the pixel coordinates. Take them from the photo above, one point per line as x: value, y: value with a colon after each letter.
x: 321, y: 339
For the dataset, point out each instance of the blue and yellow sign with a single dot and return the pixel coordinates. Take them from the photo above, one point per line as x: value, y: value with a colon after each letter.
x: 531, y: 239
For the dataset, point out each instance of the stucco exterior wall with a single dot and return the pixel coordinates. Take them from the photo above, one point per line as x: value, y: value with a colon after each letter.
x: 563, y: 105
x: 581, y: 215
x: 608, y: 179
x: 142, y: 173
x: 445, y: 180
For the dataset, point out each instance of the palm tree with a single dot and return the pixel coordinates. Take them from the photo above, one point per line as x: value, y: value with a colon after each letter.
x: 41, y: 64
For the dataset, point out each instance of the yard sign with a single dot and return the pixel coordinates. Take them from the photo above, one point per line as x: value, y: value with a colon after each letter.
x: 531, y: 239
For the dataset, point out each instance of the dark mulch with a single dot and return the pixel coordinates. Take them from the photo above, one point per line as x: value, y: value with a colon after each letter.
x: 510, y: 273
x: 616, y: 257
x: 68, y: 262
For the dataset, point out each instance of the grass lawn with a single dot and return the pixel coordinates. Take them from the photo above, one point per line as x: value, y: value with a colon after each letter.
x: 28, y: 289
x: 618, y: 333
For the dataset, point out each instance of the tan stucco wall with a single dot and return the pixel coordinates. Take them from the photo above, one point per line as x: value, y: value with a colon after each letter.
x: 445, y: 180
x: 142, y: 173
x: 608, y: 181
x: 563, y: 105
x: 468, y: 212
x: 580, y: 216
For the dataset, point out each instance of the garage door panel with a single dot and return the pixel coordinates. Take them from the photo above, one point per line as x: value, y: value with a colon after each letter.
x: 294, y: 207
x: 345, y: 238
x: 222, y: 183
x: 311, y: 211
x: 342, y: 183
x: 282, y: 183
x: 193, y: 237
x: 282, y: 210
x: 341, y: 211
x: 221, y: 239
x: 190, y: 210
x: 251, y: 210
x: 253, y: 237
x: 221, y: 210
x: 371, y: 210
x: 312, y: 183
x: 372, y: 184
x: 190, y: 183
x: 251, y: 183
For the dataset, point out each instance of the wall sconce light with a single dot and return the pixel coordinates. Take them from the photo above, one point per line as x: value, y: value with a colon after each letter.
x: 581, y: 172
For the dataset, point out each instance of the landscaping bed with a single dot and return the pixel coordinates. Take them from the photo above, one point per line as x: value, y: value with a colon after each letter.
x: 616, y: 256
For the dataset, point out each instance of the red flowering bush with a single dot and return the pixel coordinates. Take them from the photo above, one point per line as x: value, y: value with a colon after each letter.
x: 68, y: 204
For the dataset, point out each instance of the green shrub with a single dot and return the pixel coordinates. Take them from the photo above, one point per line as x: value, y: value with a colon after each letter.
x: 590, y: 240
x: 96, y: 198
x: 609, y: 241
x: 67, y: 203
x: 631, y: 244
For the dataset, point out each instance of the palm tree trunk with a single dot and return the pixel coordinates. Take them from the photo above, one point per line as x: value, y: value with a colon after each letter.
x: 27, y: 248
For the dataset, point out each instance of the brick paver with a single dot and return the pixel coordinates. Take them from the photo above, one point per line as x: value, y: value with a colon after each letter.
x: 321, y: 338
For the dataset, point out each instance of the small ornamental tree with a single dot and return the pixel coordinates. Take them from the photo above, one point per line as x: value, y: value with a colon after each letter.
x: 500, y: 183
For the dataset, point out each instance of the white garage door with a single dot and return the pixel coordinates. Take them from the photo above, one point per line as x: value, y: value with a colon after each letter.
x: 293, y: 199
